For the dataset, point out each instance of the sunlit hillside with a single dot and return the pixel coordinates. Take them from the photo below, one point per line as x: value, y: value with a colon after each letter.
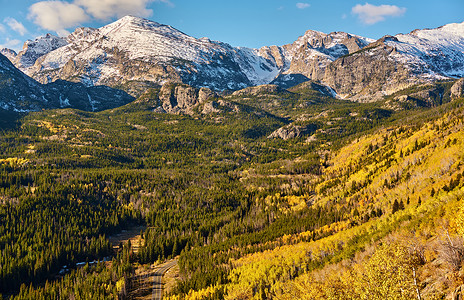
x: 398, y: 232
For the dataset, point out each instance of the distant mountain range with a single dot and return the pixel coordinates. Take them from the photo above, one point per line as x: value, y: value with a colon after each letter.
x: 133, y: 54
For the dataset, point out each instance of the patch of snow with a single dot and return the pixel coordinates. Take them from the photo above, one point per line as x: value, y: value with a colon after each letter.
x: 32, y: 50
x: 436, y: 53
x: 65, y: 102
x: 92, y: 102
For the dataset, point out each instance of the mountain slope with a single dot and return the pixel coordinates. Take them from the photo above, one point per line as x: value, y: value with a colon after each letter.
x: 20, y: 93
x: 394, y: 63
x: 400, y: 187
x: 32, y: 50
x: 135, y: 50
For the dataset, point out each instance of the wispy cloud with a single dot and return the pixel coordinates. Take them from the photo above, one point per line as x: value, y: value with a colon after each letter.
x: 16, y: 26
x: 2, y: 29
x: 370, y: 14
x: 301, y: 5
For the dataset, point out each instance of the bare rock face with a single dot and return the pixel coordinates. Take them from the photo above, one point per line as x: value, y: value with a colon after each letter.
x: 314, y: 51
x: 10, y: 54
x: 210, y: 108
x: 292, y: 131
x: 369, y: 74
x: 457, y: 90
x: 180, y: 98
x: 260, y: 89
x: 205, y: 94
x: 275, y: 54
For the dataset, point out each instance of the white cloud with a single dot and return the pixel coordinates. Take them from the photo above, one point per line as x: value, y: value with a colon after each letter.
x: 107, y: 9
x: 11, y: 44
x: 370, y: 14
x: 63, y: 32
x: 301, y: 5
x: 57, y: 15
x: 2, y: 28
x: 16, y: 26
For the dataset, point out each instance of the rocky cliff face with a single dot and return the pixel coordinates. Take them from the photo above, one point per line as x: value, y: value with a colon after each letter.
x: 394, y: 63
x: 181, y: 98
x: 369, y: 74
x: 311, y: 53
x: 457, y: 90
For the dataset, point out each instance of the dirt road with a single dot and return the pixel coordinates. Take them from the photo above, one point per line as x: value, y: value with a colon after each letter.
x: 158, y: 278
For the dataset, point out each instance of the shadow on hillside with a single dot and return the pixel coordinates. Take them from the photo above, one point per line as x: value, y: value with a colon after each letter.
x: 9, y: 120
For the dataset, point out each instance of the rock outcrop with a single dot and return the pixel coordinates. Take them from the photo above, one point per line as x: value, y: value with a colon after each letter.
x: 180, y: 98
x: 369, y: 74
x: 457, y: 90
x: 257, y: 90
x: 293, y: 131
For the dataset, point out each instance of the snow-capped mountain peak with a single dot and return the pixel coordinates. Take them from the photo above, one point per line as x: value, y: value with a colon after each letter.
x: 137, y: 49
x: 32, y: 50
x: 134, y: 49
x: 433, y: 52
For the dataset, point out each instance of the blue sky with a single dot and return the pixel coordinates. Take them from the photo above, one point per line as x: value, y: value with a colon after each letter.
x: 251, y: 23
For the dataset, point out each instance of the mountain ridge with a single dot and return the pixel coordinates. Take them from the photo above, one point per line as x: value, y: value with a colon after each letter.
x: 167, y: 54
x: 135, y: 54
x: 20, y: 93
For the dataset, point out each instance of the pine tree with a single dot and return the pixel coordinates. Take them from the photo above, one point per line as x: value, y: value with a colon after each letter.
x: 401, y: 205
x: 395, y: 206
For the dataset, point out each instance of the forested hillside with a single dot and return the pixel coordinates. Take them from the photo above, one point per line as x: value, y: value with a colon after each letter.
x: 396, y: 233
x: 251, y: 213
